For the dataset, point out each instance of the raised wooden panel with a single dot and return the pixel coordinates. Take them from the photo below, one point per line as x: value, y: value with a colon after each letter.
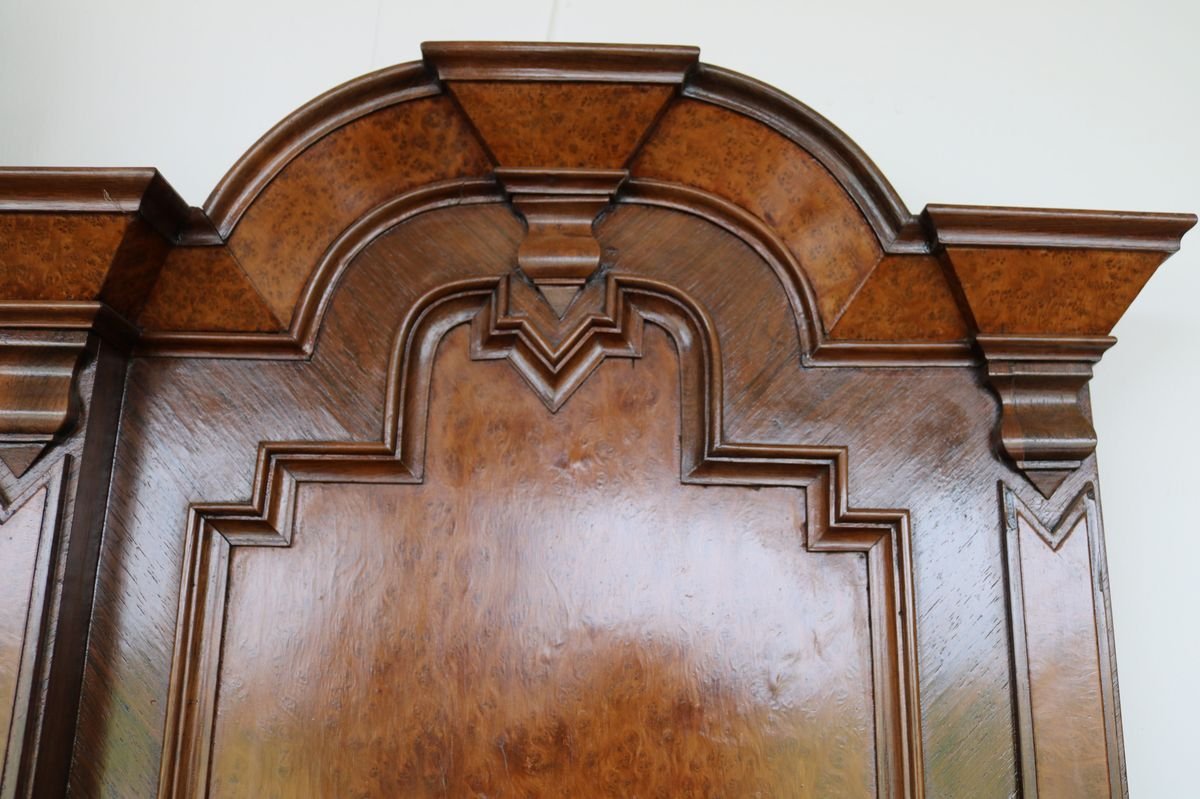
x: 498, y: 629
x: 1066, y: 699
x: 29, y: 529
x: 195, y: 761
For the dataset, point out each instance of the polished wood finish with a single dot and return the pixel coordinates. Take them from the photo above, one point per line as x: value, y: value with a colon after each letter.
x: 1067, y: 715
x: 37, y: 391
x: 28, y: 528
x: 553, y: 420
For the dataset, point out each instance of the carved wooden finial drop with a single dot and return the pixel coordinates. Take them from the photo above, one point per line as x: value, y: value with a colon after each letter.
x: 560, y: 252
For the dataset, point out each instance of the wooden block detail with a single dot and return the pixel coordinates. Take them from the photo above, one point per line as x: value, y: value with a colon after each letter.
x: 566, y: 125
x: 204, y: 288
x: 749, y: 164
x: 907, y: 297
x: 560, y: 252
x: 1050, y: 291
x: 1044, y: 428
x: 335, y: 181
x: 47, y: 256
x: 560, y: 61
x: 1068, y: 739
x: 39, y: 401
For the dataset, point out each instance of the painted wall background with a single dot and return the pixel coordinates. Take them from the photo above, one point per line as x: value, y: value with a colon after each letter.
x: 1058, y: 103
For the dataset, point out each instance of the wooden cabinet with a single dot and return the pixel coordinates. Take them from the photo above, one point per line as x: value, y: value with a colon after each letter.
x: 553, y: 421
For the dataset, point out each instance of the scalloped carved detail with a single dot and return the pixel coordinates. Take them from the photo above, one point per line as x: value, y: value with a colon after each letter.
x: 706, y: 459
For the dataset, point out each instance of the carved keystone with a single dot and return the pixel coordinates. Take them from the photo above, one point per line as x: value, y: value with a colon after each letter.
x: 560, y: 252
x: 1039, y: 379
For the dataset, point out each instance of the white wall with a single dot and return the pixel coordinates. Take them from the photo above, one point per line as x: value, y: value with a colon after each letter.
x: 1059, y: 103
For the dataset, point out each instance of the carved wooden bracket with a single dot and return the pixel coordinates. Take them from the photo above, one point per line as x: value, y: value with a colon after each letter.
x: 39, y: 402
x: 1043, y: 426
x: 560, y: 252
x: 1041, y: 290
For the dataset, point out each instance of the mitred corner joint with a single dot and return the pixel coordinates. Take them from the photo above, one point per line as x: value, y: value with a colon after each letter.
x: 1042, y: 290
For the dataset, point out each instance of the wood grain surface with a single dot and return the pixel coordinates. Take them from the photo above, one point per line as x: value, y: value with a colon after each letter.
x: 553, y: 420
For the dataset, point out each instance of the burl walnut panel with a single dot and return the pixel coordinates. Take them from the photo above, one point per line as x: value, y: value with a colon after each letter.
x: 746, y: 162
x: 937, y: 428
x: 553, y: 420
x: 511, y: 625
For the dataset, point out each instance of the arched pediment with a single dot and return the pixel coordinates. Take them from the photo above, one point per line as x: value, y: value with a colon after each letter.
x: 548, y: 127
x: 883, y: 284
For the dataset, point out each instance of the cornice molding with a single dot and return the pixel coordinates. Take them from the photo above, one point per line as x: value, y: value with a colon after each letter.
x: 98, y: 190
x: 560, y: 61
x: 658, y: 90
x: 982, y: 226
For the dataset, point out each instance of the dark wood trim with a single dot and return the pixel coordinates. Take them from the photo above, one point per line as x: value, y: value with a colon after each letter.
x: 63, y: 675
x: 892, y: 354
x: 98, y: 190
x: 1044, y: 428
x: 84, y: 316
x: 560, y: 61
x: 1023, y: 740
x: 983, y: 226
x: 1110, y: 693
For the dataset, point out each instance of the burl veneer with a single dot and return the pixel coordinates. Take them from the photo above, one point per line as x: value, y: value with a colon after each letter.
x: 553, y: 421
